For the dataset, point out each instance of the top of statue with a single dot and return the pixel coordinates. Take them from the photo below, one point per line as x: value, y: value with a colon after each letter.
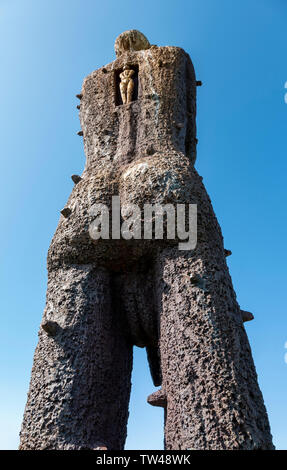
x: 132, y: 40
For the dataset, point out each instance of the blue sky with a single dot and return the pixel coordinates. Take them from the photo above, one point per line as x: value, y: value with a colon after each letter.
x: 239, y: 52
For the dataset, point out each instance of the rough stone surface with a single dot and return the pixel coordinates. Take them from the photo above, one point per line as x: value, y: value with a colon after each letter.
x: 247, y: 316
x: 76, y: 178
x: 157, y: 398
x: 106, y: 296
x: 132, y: 40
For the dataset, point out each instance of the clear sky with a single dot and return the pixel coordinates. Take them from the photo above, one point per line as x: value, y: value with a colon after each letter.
x: 239, y: 52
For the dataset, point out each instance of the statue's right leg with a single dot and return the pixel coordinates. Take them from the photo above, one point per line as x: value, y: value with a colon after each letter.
x: 80, y: 385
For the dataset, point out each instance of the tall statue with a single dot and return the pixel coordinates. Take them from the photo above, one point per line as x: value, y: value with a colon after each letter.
x: 127, y: 84
x: 107, y: 295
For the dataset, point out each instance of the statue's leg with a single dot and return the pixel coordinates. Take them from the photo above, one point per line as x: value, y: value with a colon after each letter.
x: 80, y: 385
x: 209, y: 379
x: 123, y: 90
x: 130, y: 91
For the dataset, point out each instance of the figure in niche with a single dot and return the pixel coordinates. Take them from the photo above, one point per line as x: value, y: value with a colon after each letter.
x: 127, y: 84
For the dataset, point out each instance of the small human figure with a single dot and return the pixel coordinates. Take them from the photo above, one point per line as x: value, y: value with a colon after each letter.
x: 127, y: 84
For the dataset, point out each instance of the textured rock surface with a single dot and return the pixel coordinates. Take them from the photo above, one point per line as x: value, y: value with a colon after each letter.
x: 132, y: 40
x: 105, y: 296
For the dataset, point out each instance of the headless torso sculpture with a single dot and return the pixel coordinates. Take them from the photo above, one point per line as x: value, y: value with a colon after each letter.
x: 105, y: 296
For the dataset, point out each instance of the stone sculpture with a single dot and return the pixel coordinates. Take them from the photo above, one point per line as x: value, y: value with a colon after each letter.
x: 106, y: 296
x: 127, y: 84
